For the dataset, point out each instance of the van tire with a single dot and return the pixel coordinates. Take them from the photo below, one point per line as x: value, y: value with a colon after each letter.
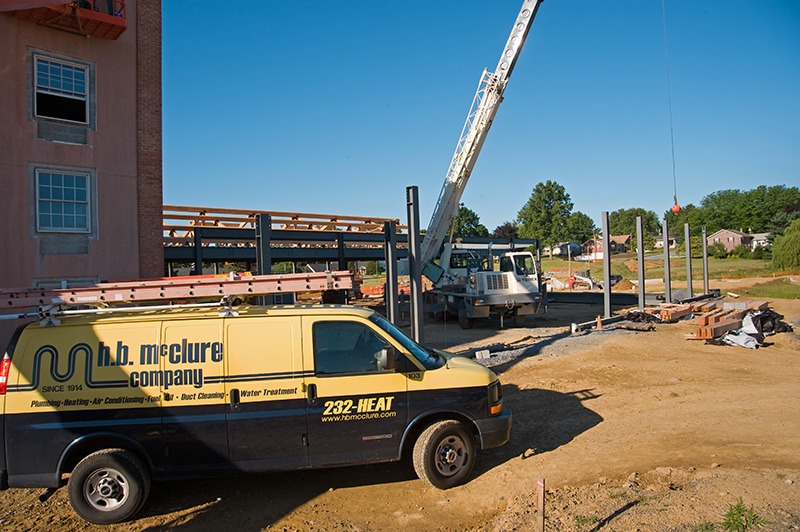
x: 444, y: 454
x: 108, y: 486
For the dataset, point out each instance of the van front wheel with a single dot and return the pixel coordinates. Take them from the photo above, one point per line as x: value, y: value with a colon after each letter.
x: 444, y: 454
x: 108, y: 486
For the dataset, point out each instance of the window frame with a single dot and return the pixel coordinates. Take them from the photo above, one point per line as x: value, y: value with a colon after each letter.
x: 73, y: 95
x: 88, y: 201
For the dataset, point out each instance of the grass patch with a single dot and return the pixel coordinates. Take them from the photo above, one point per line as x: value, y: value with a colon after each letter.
x: 585, y: 520
x: 717, y: 268
x: 776, y: 289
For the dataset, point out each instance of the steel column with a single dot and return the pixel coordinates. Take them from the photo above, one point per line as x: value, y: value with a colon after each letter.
x: 687, y: 235
x: 340, y: 247
x: 198, y: 251
x: 667, y: 277
x: 640, y: 259
x: 415, y: 265
x: 263, y: 248
x: 390, y: 251
x: 606, y: 266
x: 705, y: 261
x: 264, y: 252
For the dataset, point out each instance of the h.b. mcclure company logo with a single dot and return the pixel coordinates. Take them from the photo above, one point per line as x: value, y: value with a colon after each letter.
x: 142, y: 374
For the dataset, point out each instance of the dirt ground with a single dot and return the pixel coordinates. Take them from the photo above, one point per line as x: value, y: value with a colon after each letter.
x: 630, y: 431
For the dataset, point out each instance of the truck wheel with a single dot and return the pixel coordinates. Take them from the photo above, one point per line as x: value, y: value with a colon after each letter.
x: 463, y: 320
x: 108, y: 486
x: 444, y: 454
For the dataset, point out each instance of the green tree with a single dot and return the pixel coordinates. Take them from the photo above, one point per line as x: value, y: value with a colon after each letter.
x: 762, y: 252
x: 688, y: 214
x: 781, y: 219
x: 545, y: 214
x: 786, y: 248
x: 506, y: 230
x: 742, y: 251
x: 760, y: 205
x: 282, y: 267
x: 580, y: 227
x: 718, y: 250
x: 719, y: 210
x: 373, y: 268
x: 467, y: 223
x: 749, y: 211
x: 696, y: 248
x: 649, y: 242
x: 623, y: 222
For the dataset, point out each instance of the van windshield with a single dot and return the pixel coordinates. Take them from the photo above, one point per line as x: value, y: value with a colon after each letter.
x: 427, y: 357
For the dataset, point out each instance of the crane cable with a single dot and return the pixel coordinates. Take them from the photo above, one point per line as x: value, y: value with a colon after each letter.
x: 675, y: 208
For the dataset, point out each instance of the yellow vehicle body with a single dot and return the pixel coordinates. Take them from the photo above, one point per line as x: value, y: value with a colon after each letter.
x: 169, y: 393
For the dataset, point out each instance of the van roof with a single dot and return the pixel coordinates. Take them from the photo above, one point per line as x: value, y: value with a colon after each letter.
x: 137, y: 314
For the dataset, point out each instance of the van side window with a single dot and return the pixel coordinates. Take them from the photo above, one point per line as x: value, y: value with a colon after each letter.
x: 346, y: 347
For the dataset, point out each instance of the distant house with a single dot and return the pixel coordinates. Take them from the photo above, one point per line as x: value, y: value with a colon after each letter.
x: 616, y: 244
x: 619, y: 243
x: 590, y: 247
x: 673, y: 242
x: 760, y: 239
x: 730, y: 238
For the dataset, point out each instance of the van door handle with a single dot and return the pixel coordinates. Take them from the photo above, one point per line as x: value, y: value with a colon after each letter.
x: 235, y: 404
x: 312, y: 394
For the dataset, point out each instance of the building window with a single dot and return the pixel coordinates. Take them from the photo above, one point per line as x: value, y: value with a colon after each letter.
x: 63, y: 200
x: 61, y: 90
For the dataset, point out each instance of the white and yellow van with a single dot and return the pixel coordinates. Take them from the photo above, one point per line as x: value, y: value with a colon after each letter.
x: 116, y: 399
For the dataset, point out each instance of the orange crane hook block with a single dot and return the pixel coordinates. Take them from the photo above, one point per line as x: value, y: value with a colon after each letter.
x: 676, y: 209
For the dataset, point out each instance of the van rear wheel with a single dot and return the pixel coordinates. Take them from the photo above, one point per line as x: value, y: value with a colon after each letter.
x: 444, y: 454
x: 108, y: 486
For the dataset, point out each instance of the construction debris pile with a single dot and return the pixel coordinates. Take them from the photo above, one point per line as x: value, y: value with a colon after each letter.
x: 745, y: 323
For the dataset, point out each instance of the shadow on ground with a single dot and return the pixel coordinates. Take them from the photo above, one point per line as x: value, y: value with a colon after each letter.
x: 544, y: 420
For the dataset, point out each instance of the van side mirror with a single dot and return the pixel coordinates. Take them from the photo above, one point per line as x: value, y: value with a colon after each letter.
x: 388, y: 358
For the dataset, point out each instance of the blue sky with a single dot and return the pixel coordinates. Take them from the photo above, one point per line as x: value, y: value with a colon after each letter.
x: 335, y: 107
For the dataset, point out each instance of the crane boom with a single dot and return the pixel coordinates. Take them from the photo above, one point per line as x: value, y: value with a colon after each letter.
x: 484, y: 107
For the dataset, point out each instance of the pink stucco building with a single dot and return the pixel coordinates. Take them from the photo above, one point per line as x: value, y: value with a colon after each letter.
x: 80, y: 142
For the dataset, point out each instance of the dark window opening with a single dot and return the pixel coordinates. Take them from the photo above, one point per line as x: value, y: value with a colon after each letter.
x: 60, y: 108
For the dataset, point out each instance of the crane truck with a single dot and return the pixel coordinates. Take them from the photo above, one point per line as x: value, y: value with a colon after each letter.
x: 464, y: 282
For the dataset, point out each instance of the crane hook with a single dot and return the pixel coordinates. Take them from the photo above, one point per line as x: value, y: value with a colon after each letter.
x: 676, y: 209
